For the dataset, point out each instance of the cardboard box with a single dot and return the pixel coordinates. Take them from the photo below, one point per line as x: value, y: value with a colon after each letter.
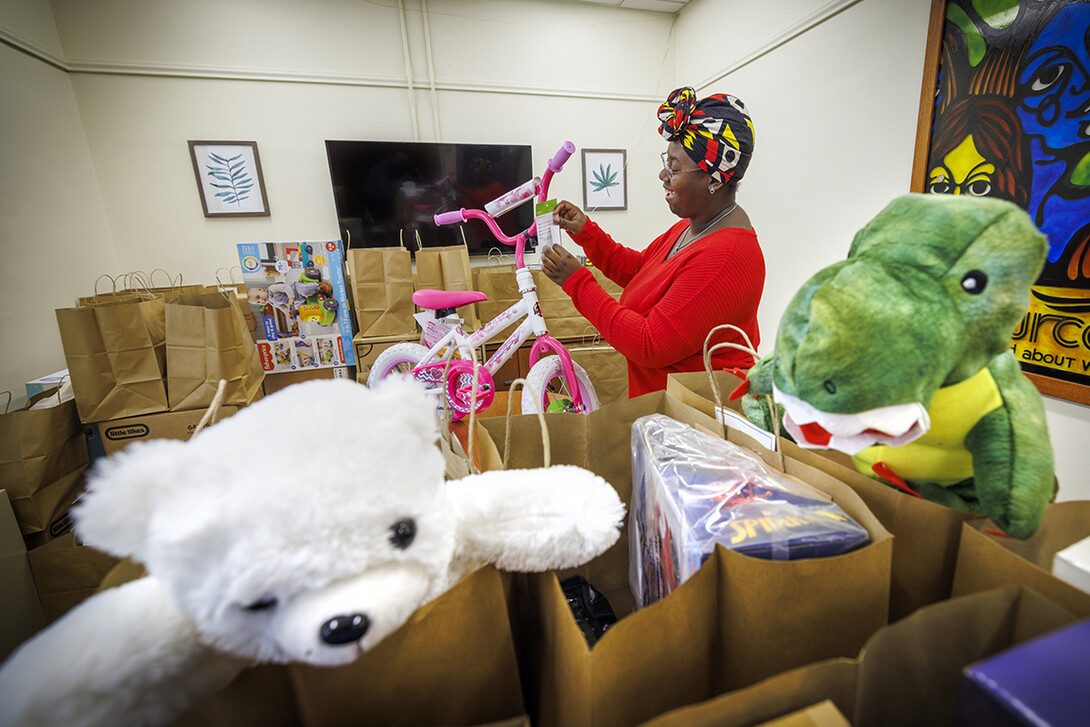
x: 20, y: 611
x: 37, y: 386
x: 1072, y: 564
x: 115, y: 435
x: 1040, y: 682
x: 276, y: 382
x: 299, y: 299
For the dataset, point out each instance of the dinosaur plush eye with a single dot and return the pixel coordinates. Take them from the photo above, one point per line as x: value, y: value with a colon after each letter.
x: 263, y: 604
x: 402, y: 533
x: 974, y: 282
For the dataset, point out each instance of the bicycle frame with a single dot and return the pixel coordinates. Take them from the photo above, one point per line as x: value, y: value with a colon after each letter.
x: 533, y: 324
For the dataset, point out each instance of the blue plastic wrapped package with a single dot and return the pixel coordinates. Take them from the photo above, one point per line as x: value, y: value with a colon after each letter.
x: 691, y: 490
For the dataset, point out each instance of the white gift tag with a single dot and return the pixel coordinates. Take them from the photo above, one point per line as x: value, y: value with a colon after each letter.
x: 734, y: 420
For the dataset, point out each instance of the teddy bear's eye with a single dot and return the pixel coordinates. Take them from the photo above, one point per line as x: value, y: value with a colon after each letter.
x: 263, y: 604
x: 974, y: 282
x: 402, y: 533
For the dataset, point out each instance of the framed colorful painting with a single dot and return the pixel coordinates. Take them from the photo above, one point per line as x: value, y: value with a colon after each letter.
x: 1005, y: 112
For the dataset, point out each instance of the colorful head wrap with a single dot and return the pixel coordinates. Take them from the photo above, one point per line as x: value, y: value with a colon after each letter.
x: 716, y: 131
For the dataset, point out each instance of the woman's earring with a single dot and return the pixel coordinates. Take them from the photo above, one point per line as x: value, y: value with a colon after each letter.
x: 711, y: 190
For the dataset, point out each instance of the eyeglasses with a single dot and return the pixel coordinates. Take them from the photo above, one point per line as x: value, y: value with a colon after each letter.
x: 674, y: 172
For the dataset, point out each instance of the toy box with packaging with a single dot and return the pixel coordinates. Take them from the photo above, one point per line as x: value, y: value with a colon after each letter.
x: 39, y: 385
x: 297, y: 293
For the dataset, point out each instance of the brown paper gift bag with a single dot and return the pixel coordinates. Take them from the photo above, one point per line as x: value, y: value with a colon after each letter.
x: 382, y: 288
x: 236, y: 290
x: 207, y: 341
x: 925, y: 534
x: 43, y: 457
x: 737, y: 620
x: 560, y: 313
x: 496, y: 279
x: 66, y: 573
x: 452, y: 663
x: 606, y: 367
x: 908, y: 674
x: 987, y: 559
x: 447, y: 268
x: 116, y: 356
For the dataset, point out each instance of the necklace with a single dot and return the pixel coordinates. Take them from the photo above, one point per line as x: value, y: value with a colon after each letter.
x: 693, y: 237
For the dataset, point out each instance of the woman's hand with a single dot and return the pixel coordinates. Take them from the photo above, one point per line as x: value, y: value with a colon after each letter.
x: 569, y: 217
x: 558, y: 264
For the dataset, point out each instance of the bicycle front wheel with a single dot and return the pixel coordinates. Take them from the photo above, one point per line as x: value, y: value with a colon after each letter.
x: 399, y: 360
x: 553, y: 392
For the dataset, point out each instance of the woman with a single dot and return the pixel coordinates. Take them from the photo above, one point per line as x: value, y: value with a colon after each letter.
x: 706, y: 270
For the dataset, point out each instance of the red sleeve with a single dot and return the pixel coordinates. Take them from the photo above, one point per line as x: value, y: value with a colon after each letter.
x: 617, y: 262
x: 721, y: 284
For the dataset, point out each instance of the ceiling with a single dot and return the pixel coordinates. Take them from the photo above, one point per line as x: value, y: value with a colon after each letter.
x: 662, y: 6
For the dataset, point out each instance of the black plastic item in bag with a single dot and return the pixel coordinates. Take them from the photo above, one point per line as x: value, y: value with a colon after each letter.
x: 592, y: 611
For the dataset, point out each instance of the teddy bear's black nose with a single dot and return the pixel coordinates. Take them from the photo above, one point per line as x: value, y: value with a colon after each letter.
x: 345, y: 629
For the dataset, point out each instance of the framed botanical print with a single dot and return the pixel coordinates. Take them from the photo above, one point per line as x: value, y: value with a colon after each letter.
x: 229, y: 178
x: 604, y: 184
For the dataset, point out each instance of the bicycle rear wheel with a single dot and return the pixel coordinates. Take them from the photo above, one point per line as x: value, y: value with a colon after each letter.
x: 552, y: 392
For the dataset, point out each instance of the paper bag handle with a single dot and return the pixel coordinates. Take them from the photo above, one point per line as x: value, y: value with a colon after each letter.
x: 470, y: 436
x: 546, y: 445
x: 113, y: 281
x: 747, y: 348
x: 230, y: 273
x: 8, y: 404
x: 175, y: 282
x: 138, y: 282
x: 498, y: 259
x: 213, y: 409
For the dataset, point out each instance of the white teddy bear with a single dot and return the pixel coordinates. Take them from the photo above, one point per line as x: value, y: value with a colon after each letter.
x: 266, y: 543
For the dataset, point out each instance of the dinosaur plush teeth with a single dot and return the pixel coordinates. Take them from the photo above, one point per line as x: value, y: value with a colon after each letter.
x: 812, y: 428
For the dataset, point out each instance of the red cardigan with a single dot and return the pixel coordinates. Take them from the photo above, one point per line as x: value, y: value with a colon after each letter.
x: 668, y: 307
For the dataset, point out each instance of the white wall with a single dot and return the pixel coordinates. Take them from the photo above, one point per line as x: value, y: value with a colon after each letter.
x: 54, y: 234
x: 834, y: 90
x: 537, y: 72
x: 95, y: 174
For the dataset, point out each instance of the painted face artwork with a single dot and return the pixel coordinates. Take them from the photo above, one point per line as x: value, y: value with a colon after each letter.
x: 1054, y: 108
x: 963, y: 171
x: 1012, y: 120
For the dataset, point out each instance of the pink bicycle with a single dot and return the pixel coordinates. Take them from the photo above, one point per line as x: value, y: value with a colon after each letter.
x: 443, y: 360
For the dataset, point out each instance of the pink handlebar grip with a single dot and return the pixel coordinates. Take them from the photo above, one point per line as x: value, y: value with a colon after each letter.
x: 561, y: 156
x: 449, y: 218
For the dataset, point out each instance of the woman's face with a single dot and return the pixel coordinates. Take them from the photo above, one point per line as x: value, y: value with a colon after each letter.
x: 687, y: 188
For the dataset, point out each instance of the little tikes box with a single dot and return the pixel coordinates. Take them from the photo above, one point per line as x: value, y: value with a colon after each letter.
x: 298, y: 297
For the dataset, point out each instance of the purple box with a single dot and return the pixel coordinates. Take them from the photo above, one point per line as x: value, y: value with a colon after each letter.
x: 1042, y: 682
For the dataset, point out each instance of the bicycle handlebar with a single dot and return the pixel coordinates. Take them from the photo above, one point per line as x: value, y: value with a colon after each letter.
x: 555, y: 164
x: 562, y: 155
x: 449, y: 218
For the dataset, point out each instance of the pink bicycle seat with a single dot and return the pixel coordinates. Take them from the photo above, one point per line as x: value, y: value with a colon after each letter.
x: 436, y: 299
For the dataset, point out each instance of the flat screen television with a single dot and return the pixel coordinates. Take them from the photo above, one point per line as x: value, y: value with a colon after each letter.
x: 387, y: 192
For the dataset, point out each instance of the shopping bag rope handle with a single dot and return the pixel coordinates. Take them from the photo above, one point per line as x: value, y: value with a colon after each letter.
x: 213, y: 409
x: 546, y: 445
x: 747, y: 348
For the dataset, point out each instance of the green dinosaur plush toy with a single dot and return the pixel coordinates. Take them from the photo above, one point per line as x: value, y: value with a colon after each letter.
x: 901, y: 356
